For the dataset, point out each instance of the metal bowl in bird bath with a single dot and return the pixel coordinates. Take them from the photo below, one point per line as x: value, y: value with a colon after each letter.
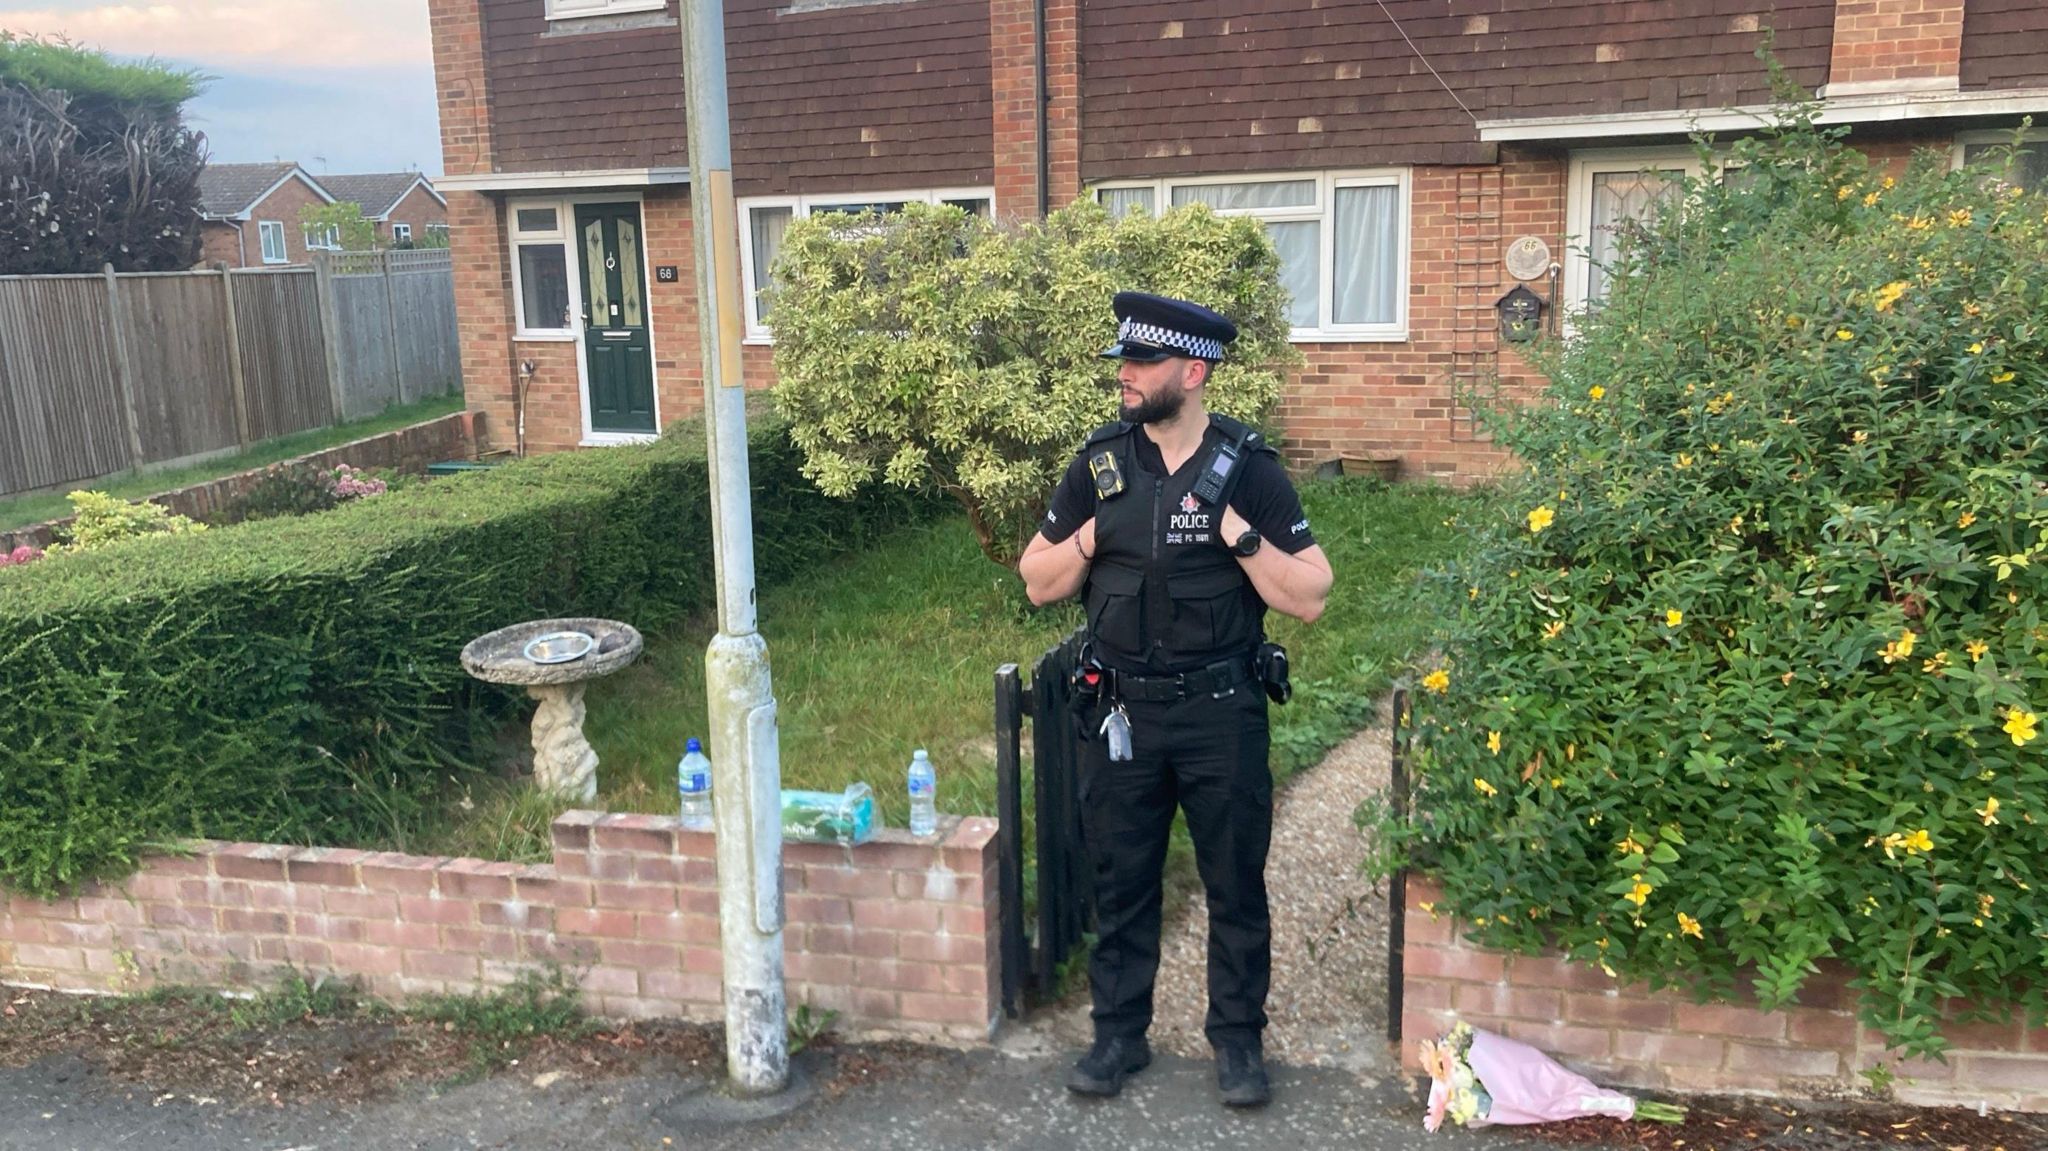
x: 553, y: 659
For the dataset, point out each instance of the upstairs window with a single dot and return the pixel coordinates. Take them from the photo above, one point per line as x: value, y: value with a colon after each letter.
x: 572, y: 9
x: 764, y: 219
x: 1342, y: 239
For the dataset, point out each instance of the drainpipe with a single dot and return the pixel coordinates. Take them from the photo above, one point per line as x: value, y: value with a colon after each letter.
x: 745, y: 758
x: 241, y: 243
x: 1044, y: 98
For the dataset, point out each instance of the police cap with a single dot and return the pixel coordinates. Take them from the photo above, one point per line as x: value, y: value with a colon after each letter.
x: 1152, y: 328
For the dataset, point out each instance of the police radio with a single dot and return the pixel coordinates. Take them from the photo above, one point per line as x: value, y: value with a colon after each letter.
x: 1215, y: 479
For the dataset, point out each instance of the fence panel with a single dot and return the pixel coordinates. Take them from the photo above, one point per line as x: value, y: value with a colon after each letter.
x: 173, y: 327
x: 284, y: 363
x: 423, y: 288
x: 61, y: 415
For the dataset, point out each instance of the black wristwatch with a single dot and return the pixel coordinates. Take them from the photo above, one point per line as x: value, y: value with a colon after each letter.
x: 1247, y: 543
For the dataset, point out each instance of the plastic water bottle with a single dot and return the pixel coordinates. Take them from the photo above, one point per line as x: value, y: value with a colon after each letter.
x: 693, y: 780
x: 924, y: 787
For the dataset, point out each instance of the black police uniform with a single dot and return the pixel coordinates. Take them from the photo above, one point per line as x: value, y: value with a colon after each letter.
x: 1176, y: 620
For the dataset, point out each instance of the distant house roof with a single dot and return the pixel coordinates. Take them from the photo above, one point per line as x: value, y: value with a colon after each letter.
x: 229, y: 191
x: 377, y: 193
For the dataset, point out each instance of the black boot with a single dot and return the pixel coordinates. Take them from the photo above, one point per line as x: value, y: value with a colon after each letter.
x: 1241, y: 1075
x: 1102, y: 1070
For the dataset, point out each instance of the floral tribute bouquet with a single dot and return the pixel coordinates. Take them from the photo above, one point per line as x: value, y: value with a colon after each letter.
x: 1479, y: 1078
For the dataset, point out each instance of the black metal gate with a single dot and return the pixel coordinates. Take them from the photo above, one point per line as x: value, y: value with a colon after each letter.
x: 1065, y: 897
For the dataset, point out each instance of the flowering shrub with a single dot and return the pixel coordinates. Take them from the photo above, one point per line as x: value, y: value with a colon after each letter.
x: 1749, y: 675
x: 349, y: 483
x: 99, y: 519
x: 21, y: 555
x: 298, y: 489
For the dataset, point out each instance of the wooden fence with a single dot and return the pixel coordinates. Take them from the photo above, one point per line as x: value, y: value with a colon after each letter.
x: 103, y: 373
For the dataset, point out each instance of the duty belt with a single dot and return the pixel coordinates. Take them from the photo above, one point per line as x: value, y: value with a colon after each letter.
x: 1212, y: 680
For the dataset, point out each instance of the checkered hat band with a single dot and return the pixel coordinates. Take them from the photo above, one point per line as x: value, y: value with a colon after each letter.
x: 1200, y: 347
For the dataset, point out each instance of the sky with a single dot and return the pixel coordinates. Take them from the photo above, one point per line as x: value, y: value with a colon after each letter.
x: 337, y: 85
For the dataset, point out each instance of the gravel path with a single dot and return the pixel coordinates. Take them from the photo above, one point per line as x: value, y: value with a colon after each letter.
x: 1328, y: 1004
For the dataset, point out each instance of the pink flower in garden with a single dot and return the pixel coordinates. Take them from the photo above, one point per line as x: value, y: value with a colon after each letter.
x: 21, y: 555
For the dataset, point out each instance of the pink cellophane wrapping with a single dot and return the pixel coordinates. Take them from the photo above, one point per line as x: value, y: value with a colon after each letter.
x: 1529, y: 1087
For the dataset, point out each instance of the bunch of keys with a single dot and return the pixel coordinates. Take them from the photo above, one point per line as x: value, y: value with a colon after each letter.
x: 1116, y: 728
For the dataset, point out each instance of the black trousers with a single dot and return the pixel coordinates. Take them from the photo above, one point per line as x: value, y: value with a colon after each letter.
x: 1208, y: 757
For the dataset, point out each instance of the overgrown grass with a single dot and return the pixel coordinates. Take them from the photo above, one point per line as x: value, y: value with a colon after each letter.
x: 36, y: 507
x: 897, y: 648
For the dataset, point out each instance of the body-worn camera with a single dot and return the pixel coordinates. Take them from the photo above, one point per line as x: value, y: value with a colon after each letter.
x: 1109, y: 477
x: 1271, y: 665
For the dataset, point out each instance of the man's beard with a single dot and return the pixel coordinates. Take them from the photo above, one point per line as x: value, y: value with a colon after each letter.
x: 1156, y: 409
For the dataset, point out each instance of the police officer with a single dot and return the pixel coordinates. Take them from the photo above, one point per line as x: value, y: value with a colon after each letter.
x: 1179, y: 528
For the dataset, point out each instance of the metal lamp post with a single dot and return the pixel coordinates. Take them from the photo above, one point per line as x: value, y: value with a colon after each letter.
x: 747, y: 787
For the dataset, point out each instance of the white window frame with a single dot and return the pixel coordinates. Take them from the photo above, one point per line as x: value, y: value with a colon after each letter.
x: 1322, y: 212
x: 801, y: 207
x: 578, y: 9
x: 265, y: 229
x: 1578, y: 258
x: 401, y: 232
x: 321, y: 237
x: 564, y: 233
x: 2036, y: 140
x: 564, y: 212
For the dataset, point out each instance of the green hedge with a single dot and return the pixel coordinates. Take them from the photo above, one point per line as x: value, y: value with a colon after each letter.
x: 292, y: 679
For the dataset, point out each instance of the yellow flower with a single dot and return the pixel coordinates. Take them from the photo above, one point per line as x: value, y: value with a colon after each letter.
x: 1917, y: 841
x: 1844, y: 334
x: 1844, y: 192
x: 1471, y: 593
x: 1889, y: 295
x: 1684, y: 460
x: 1484, y: 788
x: 1438, y: 681
x: 1541, y: 518
x: 1553, y: 629
x: 1870, y: 201
x: 1687, y: 925
x: 1899, y: 648
x: 1959, y: 218
x: 1989, y: 812
x: 1890, y: 183
x: 1966, y: 519
x: 1938, y: 665
x: 1976, y: 648
x: 1972, y: 309
x: 1860, y: 436
x: 2002, y: 378
x: 1976, y: 349
x: 1596, y: 392
x: 1984, y: 902
x: 1673, y: 618
x: 1493, y: 742
x: 1919, y: 223
x: 1790, y: 322
x: 2020, y: 725
x: 1640, y: 893
x: 1629, y: 846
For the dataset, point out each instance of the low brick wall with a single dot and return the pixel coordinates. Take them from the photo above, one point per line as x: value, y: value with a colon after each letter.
x: 899, y: 935
x: 1628, y: 1035
x: 456, y: 436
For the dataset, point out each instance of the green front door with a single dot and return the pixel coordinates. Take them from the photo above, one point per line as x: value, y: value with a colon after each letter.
x: 621, y: 365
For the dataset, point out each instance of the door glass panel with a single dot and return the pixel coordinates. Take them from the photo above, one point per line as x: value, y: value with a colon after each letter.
x: 599, y: 299
x: 536, y: 219
x: 1622, y: 201
x: 629, y: 273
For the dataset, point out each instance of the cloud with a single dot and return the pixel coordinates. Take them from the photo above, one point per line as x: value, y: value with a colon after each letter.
x: 275, y: 36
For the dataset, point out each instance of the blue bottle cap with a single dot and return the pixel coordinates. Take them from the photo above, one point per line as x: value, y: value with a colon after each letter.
x: 694, y: 745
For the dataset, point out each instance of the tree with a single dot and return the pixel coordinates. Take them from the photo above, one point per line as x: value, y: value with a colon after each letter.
x: 345, y: 220
x: 936, y: 350
x: 96, y: 164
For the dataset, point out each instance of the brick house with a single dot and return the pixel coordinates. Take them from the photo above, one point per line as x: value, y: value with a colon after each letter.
x: 250, y: 213
x: 1401, y: 169
x: 402, y: 207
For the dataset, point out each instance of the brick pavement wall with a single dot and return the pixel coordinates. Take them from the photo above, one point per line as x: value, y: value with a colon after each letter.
x: 898, y: 935
x: 1629, y: 1035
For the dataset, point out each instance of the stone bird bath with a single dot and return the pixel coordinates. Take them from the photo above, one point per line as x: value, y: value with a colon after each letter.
x: 563, y: 761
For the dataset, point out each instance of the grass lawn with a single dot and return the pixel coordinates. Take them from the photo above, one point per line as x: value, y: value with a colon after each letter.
x: 36, y: 507
x: 897, y: 648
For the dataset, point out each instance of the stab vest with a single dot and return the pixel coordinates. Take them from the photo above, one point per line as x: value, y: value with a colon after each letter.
x: 1156, y: 606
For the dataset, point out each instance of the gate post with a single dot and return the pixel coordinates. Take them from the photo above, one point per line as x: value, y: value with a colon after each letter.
x: 1010, y: 833
x: 124, y: 373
